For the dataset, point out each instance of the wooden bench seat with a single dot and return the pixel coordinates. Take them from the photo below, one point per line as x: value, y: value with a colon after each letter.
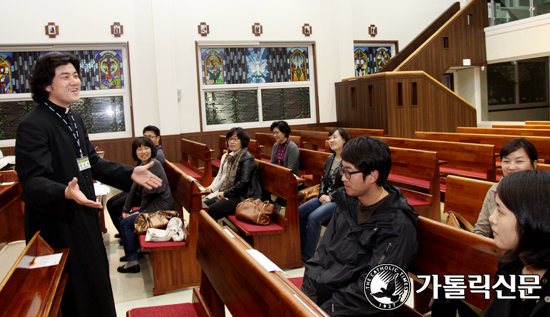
x: 541, y: 143
x: 280, y: 246
x: 316, y: 139
x: 174, y: 263
x: 191, y: 153
x: 241, y: 284
x: 520, y: 126
x: 464, y: 159
x: 444, y: 250
x: 419, y: 165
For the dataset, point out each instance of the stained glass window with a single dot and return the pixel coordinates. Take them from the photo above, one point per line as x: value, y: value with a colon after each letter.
x: 371, y: 56
x: 105, y: 97
x: 276, y: 79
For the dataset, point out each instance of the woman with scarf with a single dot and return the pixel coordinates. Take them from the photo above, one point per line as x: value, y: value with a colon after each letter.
x: 241, y: 177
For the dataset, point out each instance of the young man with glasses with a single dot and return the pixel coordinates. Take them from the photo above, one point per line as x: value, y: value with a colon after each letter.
x: 373, y: 224
x: 153, y: 133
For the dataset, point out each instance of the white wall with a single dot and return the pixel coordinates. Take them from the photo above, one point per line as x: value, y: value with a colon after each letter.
x: 162, y: 35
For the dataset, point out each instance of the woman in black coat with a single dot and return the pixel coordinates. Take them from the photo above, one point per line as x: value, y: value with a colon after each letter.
x: 241, y: 179
x: 521, y: 224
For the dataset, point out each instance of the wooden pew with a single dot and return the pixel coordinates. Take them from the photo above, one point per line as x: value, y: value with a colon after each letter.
x: 416, y: 166
x: 506, y: 131
x: 444, y: 250
x: 174, y: 263
x: 355, y: 132
x: 465, y: 159
x: 267, y: 140
x: 12, y: 223
x: 231, y: 276
x: 37, y: 291
x: 313, y: 163
x: 537, y: 122
x: 191, y: 153
x: 279, y: 241
x: 541, y: 143
x: 317, y: 139
x: 519, y: 126
x: 466, y: 196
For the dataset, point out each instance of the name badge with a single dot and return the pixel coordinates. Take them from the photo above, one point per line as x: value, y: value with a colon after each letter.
x: 83, y: 163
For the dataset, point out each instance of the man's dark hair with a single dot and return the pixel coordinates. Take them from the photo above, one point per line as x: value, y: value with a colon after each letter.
x: 153, y: 129
x: 282, y: 126
x: 369, y: 154
x: 143, y: 141
x: 527, y: 195
x: 520, y: 143
x: 241, y: 134
x: 343, y: 133
x: 43, y: 73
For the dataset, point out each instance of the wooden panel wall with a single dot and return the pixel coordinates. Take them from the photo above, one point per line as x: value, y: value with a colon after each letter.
x: 465, y: 42
x: 421, y: 38
x: 438, y: 109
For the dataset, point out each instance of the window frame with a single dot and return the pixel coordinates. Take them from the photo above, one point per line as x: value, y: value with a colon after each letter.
x: 311, y: 84
x: 124, y: 92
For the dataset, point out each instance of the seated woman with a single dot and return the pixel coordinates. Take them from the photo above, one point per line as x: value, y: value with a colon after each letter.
x: 516, y: 155
x: 521, y: 225
x: 212, y: 190
x: 241, y: 177
x: 152, y: 200
x: 285, y: 152
x: 318, y: 210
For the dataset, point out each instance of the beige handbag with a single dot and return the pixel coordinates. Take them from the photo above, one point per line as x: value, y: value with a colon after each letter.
x: 256, y: 212
x: 309, y: 193
x: 454, y: 219
x: 156, y: 220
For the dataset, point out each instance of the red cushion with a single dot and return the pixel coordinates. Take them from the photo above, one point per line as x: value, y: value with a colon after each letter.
x: 415, y: 202
x: 216, y: 162
x: 297, y: 281
x: 255, y: 228
x: 152, y: 244
x: 184, y: 310
x: 266, y: 160
x: 188, y: 171
x: 322, y: 150
x: 499, y: 177
x: 465, y: 172
x: 135, y: 208
x: 409, y: 180
x: 308, y: 176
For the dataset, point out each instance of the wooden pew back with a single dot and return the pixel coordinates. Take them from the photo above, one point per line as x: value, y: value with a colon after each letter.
x: 315, y: 138
x: 313, y: 162
x: 191, y: 153
x: 267, y: 141
x: 537, y: 122
x: 12, y: 223
x: 443, y: 249
x: 509, y: 131
x: 422, y: 165
x: 254, y: 147
x: 355, y: 132
x: 241, y: 283
x: 463, y: 156
x: 541, y: 143
x: 466, y: 196
x: 520, y: 126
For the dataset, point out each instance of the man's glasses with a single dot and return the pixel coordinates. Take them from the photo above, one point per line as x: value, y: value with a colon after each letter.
x: 347, y: 173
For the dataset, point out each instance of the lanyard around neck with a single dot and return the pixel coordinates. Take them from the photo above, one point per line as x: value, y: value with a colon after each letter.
x: 73, y: 133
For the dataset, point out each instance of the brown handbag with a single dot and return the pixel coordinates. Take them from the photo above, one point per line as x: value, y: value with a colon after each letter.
x: 309, y: 193
x: 456, y: 220
x: 256, y: 212
x: 156, y: 220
